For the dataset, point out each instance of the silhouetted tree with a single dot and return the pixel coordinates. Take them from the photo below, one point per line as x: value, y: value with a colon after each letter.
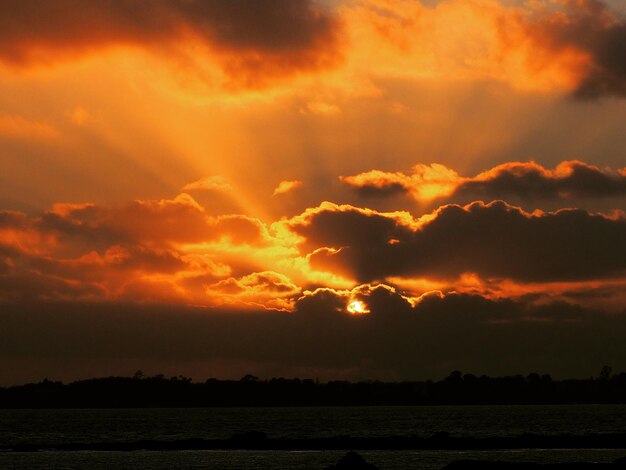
x: 249, y: 378
x: 605, y: 373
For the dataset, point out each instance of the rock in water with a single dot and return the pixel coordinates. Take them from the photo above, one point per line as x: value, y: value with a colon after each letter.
x: 350, y: 461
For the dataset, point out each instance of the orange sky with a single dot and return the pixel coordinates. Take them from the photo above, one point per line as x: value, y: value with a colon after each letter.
x: 260, y: 156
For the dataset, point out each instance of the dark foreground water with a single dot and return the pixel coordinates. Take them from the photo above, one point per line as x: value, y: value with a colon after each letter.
x: 51, y: 427
x: 250, y: 460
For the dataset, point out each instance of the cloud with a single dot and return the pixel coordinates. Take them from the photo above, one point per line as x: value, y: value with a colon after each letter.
x: 210, y: 183
x: 569, y: 180
x: 493, y: 240
x: 567, y: 46
x: 592, y: 28
x: 22, y: 286
x: 428, y: 182
x: 44, y: 275
x: 286, y: 186
x: 145, y: 250
x: 563, y: 46
x: 396, y: 341
x: 165, y: 221
x: 247, y: 37
x: 376, y: 299
x: 171, y: 249
x: 546, y: 46
x: 389, y: 304
x: 264, y: 289
x: 517, y: 181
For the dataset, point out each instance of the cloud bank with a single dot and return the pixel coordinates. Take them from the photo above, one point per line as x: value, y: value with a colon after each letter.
x: 250, y: 39
x: 571, y: 180
x: 494, y: 240
x: 396, y: 341
x: 571, y: 46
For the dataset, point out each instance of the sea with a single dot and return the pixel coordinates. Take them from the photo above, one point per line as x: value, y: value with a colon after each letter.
x: 50, y: 427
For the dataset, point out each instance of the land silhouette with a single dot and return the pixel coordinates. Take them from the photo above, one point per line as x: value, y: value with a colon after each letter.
x: 139, y: 391
x: 457, y: 388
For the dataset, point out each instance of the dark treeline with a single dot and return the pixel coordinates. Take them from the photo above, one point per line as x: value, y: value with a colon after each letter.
x: 457, y: 388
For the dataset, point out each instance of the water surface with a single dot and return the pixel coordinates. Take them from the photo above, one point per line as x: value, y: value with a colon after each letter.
x: 124, y: 425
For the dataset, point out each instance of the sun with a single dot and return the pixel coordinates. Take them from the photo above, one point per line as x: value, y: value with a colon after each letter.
x: 357, y: 307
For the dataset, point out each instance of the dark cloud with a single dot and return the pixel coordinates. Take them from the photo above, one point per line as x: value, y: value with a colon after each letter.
x: 530, y: 181
x: 13, y: 220
x: 494, y: 240
x: 384, y: 187
x: 116, y: 259
x: 161, y: 223
x: 513, y: 181
x: 600, y: 32
x: 18, y: 286
x: 250, y: 35
x: 395, y: 341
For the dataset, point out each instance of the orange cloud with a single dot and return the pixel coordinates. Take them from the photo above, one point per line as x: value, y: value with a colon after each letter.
x: 286, y: 186
x: 127, y: 250
x: 172, y: 250
x: 572, y: 46
x: 210, y: 183
x: 265, y: 289
x: 250, y: 41
x: 158, y: 222
x: 589, y: 30
x: 545, y: 46
x: 606, y: 294
x: 154, y: 250
x: 460, y: 40
x: 427, y: 183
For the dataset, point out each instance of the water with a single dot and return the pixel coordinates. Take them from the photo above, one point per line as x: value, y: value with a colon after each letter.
x: 253, y: 460
x: 122, y: 425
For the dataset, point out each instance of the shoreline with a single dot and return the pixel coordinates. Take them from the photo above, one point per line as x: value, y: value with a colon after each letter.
x: 260, y: 441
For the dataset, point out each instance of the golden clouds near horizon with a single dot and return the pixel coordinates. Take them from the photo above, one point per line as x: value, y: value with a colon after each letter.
x: 173, y: 251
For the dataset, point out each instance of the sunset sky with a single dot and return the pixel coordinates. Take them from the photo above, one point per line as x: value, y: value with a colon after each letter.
x: 354, y: 189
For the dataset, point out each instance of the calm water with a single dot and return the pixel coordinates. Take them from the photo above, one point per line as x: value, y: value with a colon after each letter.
x: 62, y: 426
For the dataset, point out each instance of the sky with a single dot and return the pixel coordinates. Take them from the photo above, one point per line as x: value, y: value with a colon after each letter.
x: 340, y: 189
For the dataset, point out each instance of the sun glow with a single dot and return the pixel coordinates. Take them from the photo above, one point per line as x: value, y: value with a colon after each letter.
x: 357, y: 307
